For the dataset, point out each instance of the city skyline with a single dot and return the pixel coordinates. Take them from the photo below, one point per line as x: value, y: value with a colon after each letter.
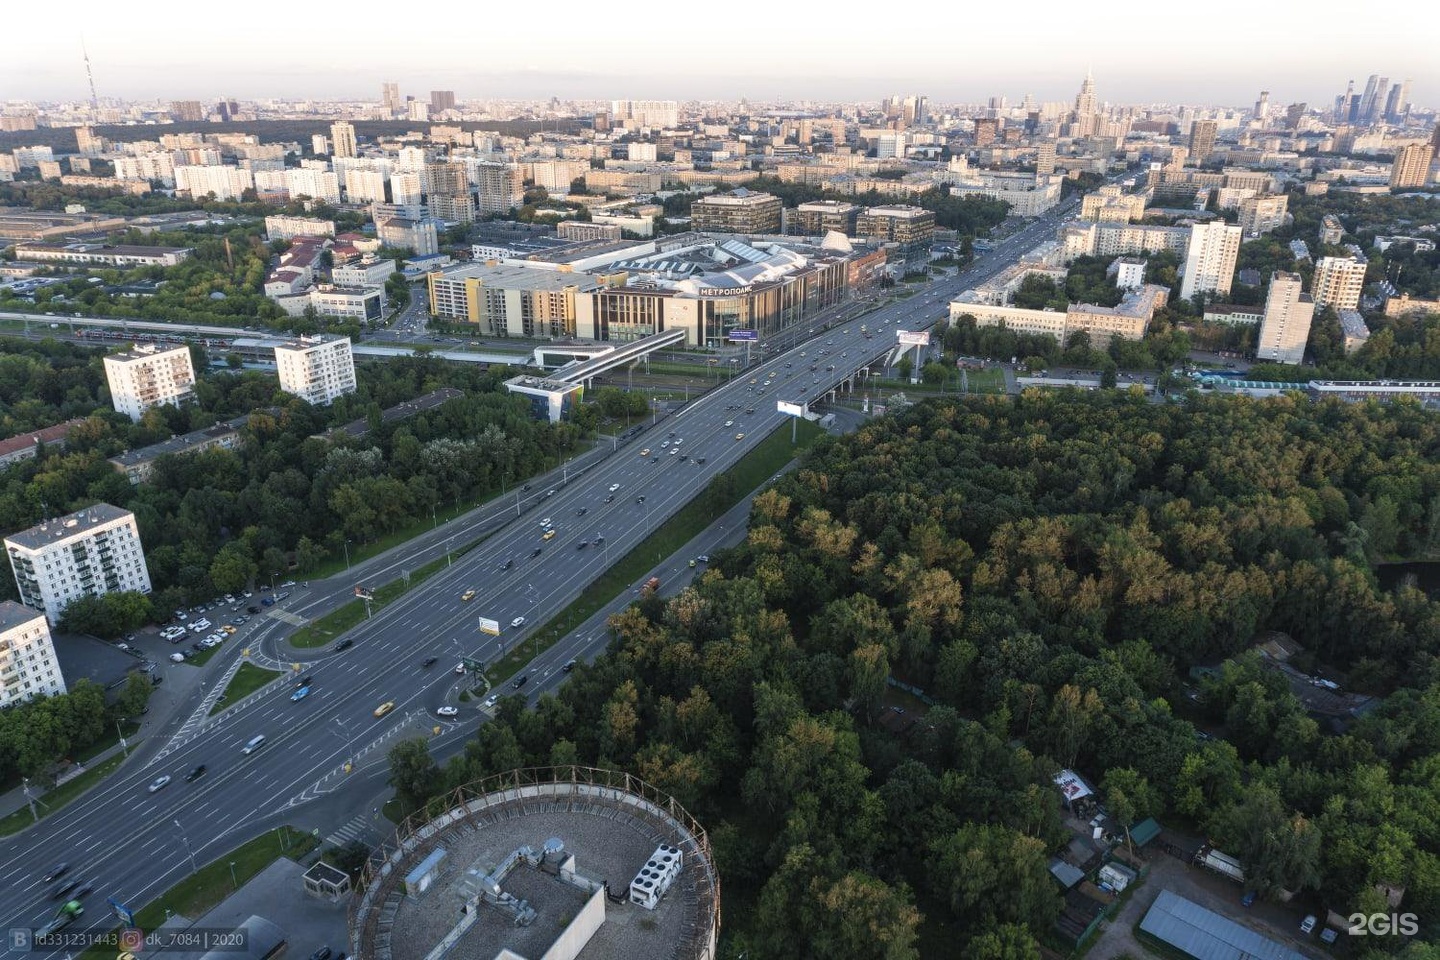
x: 323, y: 57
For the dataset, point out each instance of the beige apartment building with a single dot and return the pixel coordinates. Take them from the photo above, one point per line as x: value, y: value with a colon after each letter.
x: 1286, y: 323
x: 1338, y: 282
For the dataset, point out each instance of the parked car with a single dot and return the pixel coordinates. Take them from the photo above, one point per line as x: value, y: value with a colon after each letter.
x: 1308, y: 924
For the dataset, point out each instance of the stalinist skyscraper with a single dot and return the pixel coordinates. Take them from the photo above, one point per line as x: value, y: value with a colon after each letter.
x: 1085, y: 108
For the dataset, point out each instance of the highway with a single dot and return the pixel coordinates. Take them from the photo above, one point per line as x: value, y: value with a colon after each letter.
x: 133, y: 842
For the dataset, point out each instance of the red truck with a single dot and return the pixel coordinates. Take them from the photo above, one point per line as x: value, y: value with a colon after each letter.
x: 652, y: 585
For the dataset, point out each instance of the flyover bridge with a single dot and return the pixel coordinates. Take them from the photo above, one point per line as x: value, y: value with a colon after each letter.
x: 586, y: 370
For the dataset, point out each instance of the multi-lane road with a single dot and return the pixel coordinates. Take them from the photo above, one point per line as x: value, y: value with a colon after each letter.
x: 133, y: 842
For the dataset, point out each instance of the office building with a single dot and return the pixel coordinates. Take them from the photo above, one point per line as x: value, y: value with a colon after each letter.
x: 442, y: 100
x: 149, y: 376
x: 1412, y: 166
x: 499, y: 187
x: 510, y: 301
x: 1338, y: 282
x: 1286, y: 324
x: 1202, y: 140
x: 28, y: 666
x: 1210, y: 259
x: 819, y: 217
x: 1259, y: 215
x: 89, y: 553
x: 739, y: 212
x: 342, y: 138
x: 390, y: 97
x: 316, y: 369
x: 368, y: 272
x: 910, y: 228
x: 583, y: 230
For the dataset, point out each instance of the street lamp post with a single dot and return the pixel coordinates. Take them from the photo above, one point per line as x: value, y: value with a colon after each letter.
x: 347, y: 554
x: 190, y: 853
x: 349, y: 737
x: 235, y: 884
x: 124, y: 747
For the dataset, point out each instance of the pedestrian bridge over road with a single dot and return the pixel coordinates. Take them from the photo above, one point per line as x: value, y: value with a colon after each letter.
x: 583, y: 371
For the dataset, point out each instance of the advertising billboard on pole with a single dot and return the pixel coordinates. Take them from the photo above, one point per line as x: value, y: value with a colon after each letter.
x: 751, y: 335
x: 489, y: 626
x: 790, y: 409
x: 913, y: 338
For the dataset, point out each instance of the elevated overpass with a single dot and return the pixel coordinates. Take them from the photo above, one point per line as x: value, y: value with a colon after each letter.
x: 586, y: 370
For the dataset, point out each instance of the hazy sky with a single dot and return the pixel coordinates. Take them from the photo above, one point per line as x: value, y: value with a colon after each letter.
x: 1218, y: 52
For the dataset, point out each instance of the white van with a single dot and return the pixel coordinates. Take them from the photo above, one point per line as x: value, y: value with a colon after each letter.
x: 255, y: 744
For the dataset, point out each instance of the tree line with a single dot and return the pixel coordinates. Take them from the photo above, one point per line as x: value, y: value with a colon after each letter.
x: 1048, y: 569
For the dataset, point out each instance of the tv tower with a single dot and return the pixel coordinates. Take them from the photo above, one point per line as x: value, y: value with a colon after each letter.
x: 89, y: 75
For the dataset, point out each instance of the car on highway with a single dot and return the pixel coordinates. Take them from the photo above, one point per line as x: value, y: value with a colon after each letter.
x: 729, y: 423
x: 384, y: 708
x: 509, y: 562
x: 446, y: 711
x: 491, y: 700
x: 703, y: 558
x: 739, y: 436
x: 158, y: 783
x: 459, y: 668
x: 614, y: 487
x: 640, y: 499
x: 195, y: 774
x: 345, y: 644
x: 468, y: 595
x: 520, y: 681
x: 610, y: 498
x: 582, y: 511
x: 517, y: 622
x: 64, y: 889
x: 692, y: 564
x: 549, y: 535
x: 429, y: 661
x: 536, y: 552
x: 86, y: 888
x: 546, y: 524
x: 300, y: 694
x: 582, y: 544
x: 645, y: 452
x: 570, y: 665
x: 55, y: 874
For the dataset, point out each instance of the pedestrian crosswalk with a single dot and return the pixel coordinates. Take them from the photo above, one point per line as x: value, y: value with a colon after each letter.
x: 355, y: 829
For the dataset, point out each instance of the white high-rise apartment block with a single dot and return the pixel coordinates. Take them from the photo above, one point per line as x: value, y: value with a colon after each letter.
x: 312, y: 183
x: 647, y: 113
x: 342, y: 135
x: 318, y: 145
x: 28, y: 667
x: 362, y: 186
x: 1338, y: 282
x: 159, y: 165
x: 86, y: 554
x: 405, y: 188
x: 1286, y: 324
x: 283, y: 227
x: 227, y: 183
x: 1210, y: 259
x: 641, y: 152
x: 316, y: 369
x: 149, y: 376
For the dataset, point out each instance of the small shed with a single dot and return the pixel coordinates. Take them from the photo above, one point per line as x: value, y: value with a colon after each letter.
x: 326, y: 881
x: 1067, y: 874
x: 1144, y: 831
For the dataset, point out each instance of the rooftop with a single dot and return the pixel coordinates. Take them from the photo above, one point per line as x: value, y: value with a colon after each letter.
x: 13, y: 615
x: 24, y: 441
x: 358, y: 428
x: 180, y: 444
x: 513, y: 277
x: 62, y: 528
x: 145, y: 351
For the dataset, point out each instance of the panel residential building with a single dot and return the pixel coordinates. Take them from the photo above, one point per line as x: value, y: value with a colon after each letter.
x: 89, y: 553
x: 499, y: 187
x: 28, y: 666
x: 149, y: 376
x: 1286, y: 323
x: 288, y: 228
x: 1210, y: 259
x: 342, y: 138
x: 316, y: 369
x: 1259, y: 215
x: 1412, y: 165
x: 1338, y: 282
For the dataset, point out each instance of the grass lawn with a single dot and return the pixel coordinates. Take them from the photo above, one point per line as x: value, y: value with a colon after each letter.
x: 759, y: 466
x: 202, y: 891
x: 56, y: 799
x: 319, y: 632
x: 246, y: 681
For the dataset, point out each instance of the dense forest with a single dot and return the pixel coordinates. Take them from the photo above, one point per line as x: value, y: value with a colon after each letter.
x: 1048, y: 569
x: 212, y: 521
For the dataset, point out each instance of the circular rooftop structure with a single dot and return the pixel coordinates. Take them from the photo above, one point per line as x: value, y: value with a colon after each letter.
x: 591, y: 864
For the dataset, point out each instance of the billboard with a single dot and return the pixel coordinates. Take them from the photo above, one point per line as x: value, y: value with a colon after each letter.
x: 912, y: 338
x: 751, y: 335
x: 364, y: 593
x: 790, y: 409
x: 489, y: 626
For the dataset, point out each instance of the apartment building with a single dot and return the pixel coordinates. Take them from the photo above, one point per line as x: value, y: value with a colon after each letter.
x: 1412, y: 165
x: 1115, y: 239
x: 1127, y: 320
x: 913, y: 228
x: 1259, y: 215
x: 1285, y: 325
x: 369, y: 272
x: 1028, y: 195
x: 226, y: 183
x: 1110, y: 203
x: 1332, y: 231
x: 401, y: 233
x: 288, y: 228
x: 1210, y: 259
x: 89, y: 553
x: 139, y: 465
x: 149, y: 376
x: 342, y: 138
x: 739, y: 212
x: 499, y: 187
x: 1202, y: 140
x: 450, y: 209
x: 1338, y: 282
x: 316, y: 369
x: 28, y: 666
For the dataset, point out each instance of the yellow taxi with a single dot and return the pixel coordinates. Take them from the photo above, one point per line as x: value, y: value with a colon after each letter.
x: 384, y: 708
x: 549, y: 534
x: 645, y: 452
x: 468, y: 595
